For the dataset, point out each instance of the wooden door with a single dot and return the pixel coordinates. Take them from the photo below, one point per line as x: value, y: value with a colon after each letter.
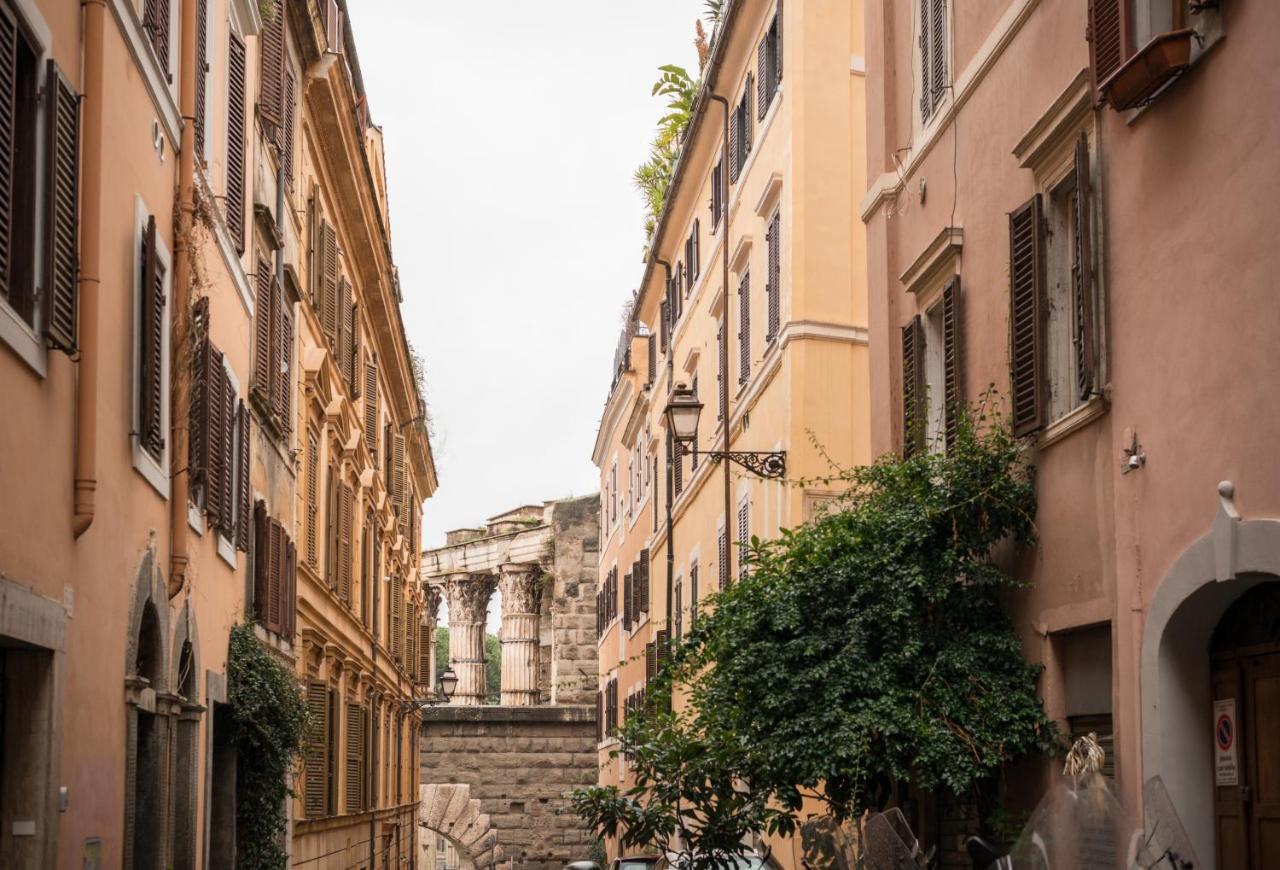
x: 1230, y: 807
x: 1262, y: 705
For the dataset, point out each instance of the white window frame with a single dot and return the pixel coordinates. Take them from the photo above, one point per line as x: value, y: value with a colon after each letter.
x: 154, y: 472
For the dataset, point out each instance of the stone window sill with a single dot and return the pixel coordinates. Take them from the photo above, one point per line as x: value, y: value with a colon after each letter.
x: 1072, y: 421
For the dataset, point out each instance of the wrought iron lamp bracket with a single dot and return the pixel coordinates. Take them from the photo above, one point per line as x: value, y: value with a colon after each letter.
x: 769, y: 465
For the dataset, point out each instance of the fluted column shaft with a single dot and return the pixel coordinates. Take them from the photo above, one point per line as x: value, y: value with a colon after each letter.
x: 521, y: 604
x: 468, y: 596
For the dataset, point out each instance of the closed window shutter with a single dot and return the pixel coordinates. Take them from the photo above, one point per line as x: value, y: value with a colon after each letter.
x: 913, y: 389
x: 744, y: 534
x: 355, y: 756
x: 9, y: 131
x: 202, y: 73
x: 693, y: 591
x: 278, y: 582
x: 329, y: 302
x: 1108, y: 36
x: 720, y: 374
x: 762, y: 76
x: 286, y: 141
x: 626, y: 601
x: 735, y: 146
x: 345, y: 505
x: 242, y: 503
x: 926, y: 68
x: 227, y: 463
x: 774, y: 292
x: 746, y: 133
x: 1082, y: 278
x: 271, y: 72
x: 288, y: 591
x: 650, y: 662
x: 313, y: 494
x: 215, y: 439
x: 315, y: 788
x: 397, y: 603
x: 151, y: 384
x: 261, y: 561
x: 1026, y: 316
x: 345, y: 333
x: 778, y: 19
x: 331, y: 528
x: 744, y: 328
x: 425, y: 643
x: 677, y: 467
x: 722, y: 557
x: 665, y: 325
x: 938, y: 50
x: 283, y: 397
x: 696, y: 261
x: 952, y: 358
x: 155, y: 21
x: 197, y: 423
x: 371, y: 407
x: 62, y: 144
x: 262, y: 323
x: 397, y: 473
x: 235, y: 140
x: 411, y: 639
x: 644, y: 580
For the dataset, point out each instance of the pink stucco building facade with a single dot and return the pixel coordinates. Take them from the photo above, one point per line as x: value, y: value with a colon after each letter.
x: 1071, y: 201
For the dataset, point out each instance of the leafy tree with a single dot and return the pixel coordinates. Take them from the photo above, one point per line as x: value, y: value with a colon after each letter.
x: 865, y: 647
x: 653, y: 177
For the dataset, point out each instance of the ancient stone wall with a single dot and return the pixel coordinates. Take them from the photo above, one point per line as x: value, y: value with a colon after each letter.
x: 568, y: 656
x: 519, y: 762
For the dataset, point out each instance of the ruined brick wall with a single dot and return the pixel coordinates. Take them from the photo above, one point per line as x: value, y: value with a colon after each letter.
x: 568, y: 659
x: 519, y: 762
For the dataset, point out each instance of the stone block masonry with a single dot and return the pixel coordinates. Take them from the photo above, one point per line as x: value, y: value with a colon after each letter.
x: 519, y: 763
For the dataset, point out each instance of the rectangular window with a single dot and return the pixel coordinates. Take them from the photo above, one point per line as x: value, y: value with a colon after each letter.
x: 273, y: 350
x: 933, y: 56
x: 744, y: 534
x: 773, y: 278
x: 740, y: 122
x: 693, y: 590
x: 744, y: 328
x: 235, y: 186
x: 933, y: 373
x: 717, y: 193
x: 722, y: 556
x: 678, y: 606
x: 768, y: 66
x: 274, y: 564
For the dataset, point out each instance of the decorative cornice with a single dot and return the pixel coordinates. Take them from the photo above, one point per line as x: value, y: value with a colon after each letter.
x: 1056, y: 128
x: 938, y: 257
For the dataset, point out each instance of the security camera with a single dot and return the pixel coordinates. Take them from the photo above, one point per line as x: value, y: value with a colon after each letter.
x: 1135, y: 462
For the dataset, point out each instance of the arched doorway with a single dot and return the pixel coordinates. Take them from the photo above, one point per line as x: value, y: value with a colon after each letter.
x: 1245, y: 653
x: 449, y: 811
x: 147, y: 799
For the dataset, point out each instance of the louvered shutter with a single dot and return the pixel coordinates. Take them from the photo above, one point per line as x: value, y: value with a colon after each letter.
x: 913, y: 387
x: 664, y: 325
x: 288, y: 590
x: 626, y: 601
x: 1026, y: 316
x: 952, y: 359
x: 599, y: 716
x: 371, y: 407
x: 355, y: 753
x: 762, y: 75
x: 1082, y: 278
x: 652, y: 365
x: 155, y: 21
x: 693, y: 591
x: 397, y: 604
x: 286, y: 140
x: 345, y: 336
x: 938, y: 50
x: 283, y: 372
x: 411, y: 638
x: 202, y: 74
x: 62, y: 155
x: 8, y: 133
x: 214, y: 399
x: 353, y: 352
x: 315, y: 788
x: 397, y: 473
x: 242, y: 504
x: 722, y: 557
x: 345, y: 508
x: 774, y: 279
x: 275, y: 592
x: 735, y: 164
x: 198, y: 408
x: 644, y: 580
x: 926, y: 90
x: 677, y: 467
x: 696, y: 260
x: 744, y: 328
x: 747, y: 134
x: 313, y: 494
x: 1108, y: 36
x: 744, y: 535
x: 235, y: 139
x: 331, y: 528
x: 261, y: 561
x: 151, y: 385
x: 271, y: 72
x: 226, y: 519
x: 425, y: 645
x: 262, y: 332
x: 329, y: 301
x: 778, y: 19
x: 650, y: 662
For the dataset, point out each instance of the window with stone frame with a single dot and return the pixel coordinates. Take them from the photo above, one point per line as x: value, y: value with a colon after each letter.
x: 933, y: 28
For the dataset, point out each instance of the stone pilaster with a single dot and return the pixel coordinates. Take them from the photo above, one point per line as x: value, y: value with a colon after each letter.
x: 468, y: 597
x: 521, y: 602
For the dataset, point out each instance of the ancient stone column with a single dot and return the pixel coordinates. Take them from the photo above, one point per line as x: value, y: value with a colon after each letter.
x: 430, y: 618
x: 521, y: 601
x: 468, y: 596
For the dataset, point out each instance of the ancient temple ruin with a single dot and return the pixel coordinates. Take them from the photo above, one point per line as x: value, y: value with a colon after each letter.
x: 495, y: 775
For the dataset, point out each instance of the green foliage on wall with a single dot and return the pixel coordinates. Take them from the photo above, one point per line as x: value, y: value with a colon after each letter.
x: 866, y: 647
x: 271, y: 720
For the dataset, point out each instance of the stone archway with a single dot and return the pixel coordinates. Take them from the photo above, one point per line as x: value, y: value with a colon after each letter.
x: 452, y: 812
x: 1234, y: 556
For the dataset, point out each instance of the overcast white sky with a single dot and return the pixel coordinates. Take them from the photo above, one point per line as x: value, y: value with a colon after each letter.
x: 512, y: 128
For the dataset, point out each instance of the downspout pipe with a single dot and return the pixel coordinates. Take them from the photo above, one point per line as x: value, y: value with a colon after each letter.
x: 180, y: 319
x: 724, y: 346
x: 671, y: 553
x: 92, y: 89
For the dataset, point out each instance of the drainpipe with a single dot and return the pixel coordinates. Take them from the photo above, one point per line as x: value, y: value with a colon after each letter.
x: 671, y: 553
x: 181, y: 316
x: 372, y: 774
x: 724, y: 345
x: 86, y: 459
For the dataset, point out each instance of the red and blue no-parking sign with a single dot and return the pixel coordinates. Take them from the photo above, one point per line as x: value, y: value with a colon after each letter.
x: 1225, y: 771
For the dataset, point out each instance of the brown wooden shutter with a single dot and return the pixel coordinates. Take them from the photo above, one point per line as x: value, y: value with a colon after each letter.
x: 202, y: 74
x: 952, y: 359
x: 62, y: 155
x: 425, y: 644
x: 744, y: 328
x: 411, y: 640
x: 282, y: 372
x: 926, y: 68
x: 152, y: 350
x: 397, y: 605
x: 1082, y: 278
x: 271, y: 72
x: 746, y: 135
x: 155, y: 20
x: 331, y: 528
x: 1026, y: 316
x: 774, y: 279
x: 345, y: 333
x: 313, y: 494
x: 626, y: 601
x: 355, y: 756
x: 696, y: 261
x: 762, y: 75
x: 1108, y: 36
x: 777, y: 18
x: 315, y: 787
x: 371, y: 407
x: 278, y: 583
x: 8, y: 130
x: 397, y: 472
x: 345, y: 506
x: 286, y: 140
x: 329, y: 300
x: 735, y: 145
x: 197, y: 422
x: 677, y: 467
x: 242, y: 507
x: 938, y: 50
x: 913, y: 388
x: 664, y: 325
x: 235, y: 139
x: 261, y: 561
x: 214, y: 412
x: 262, y: 328
x: 288, y: 590
x: 644, y: 580
x: 722, y: 557
x: 650, y: 662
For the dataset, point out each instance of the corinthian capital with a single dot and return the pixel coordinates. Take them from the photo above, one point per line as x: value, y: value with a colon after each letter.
x: 468, y: 596
x: 521, y: 587
x: 431, y: 595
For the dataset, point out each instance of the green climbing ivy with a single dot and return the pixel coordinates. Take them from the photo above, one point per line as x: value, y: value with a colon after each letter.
x: 271, y: 721
x: 866, y: 647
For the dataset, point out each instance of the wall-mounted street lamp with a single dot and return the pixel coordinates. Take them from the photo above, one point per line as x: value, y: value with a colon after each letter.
x: 682, y: 412
x: 445, y: 687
